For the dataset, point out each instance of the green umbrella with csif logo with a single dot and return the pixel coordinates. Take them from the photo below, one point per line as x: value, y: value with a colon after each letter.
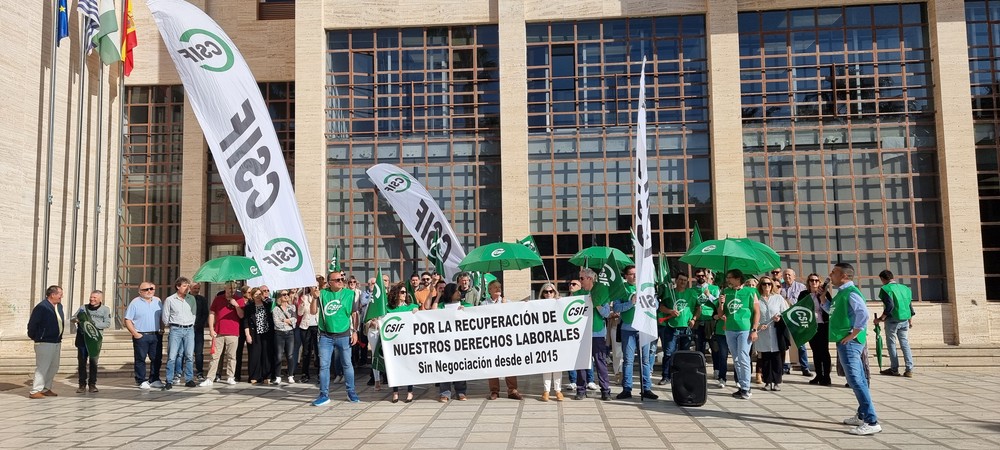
x: 227, y: 268
x: 499, y: 256
x: 721, y: 255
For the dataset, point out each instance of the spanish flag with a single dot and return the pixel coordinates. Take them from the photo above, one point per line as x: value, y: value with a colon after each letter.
x: 128, y: 38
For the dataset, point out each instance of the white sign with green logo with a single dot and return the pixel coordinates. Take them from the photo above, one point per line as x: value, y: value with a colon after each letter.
x: 499, y: 340
x: 420, y: 214
x: 227, y: 102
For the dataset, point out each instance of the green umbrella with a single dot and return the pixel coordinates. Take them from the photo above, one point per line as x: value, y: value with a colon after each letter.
x: 722, y: 255
x: 499, y: 256
x: 595, y: 257
x: 227, y: 268
x: 878, y: 345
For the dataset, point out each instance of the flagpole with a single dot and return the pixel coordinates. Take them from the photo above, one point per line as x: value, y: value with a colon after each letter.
x: 79, y: 165
x: 121, y: 177
x: 52, y: 125
x: 97, y: 175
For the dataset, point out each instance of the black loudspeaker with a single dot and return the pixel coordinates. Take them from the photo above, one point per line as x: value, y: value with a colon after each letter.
x: 688, y: 381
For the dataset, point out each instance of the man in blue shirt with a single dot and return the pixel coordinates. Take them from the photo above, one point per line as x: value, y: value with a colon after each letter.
x: 142, y: 319
x: 848, y: 324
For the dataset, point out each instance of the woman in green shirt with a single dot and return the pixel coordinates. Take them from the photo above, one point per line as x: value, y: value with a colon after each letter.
x: 400, y: 301
x: 740, y: 311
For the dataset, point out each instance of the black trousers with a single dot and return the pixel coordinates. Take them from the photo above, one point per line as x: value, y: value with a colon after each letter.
x: 82, y: 358
x: 241, y: 341
x: 310, y: 349
x: 820, y: 346
x: 199, y: 351
x: 771, y: 366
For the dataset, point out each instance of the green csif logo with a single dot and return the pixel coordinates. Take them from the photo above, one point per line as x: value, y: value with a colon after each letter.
x: 396, y: 182
x: 575, y: 311
x: 283, y: 253
x: 391, y: 328
x: 203, y: 46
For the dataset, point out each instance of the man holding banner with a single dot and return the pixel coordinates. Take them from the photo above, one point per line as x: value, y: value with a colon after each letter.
x: 630, y: 342
x: 92, y: 319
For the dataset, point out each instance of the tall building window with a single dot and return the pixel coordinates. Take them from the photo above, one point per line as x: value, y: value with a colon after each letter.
x: 983, y: 23
x: 583, y: 91
x: 223, y: 227
x: 151, y: 191
x: 839, y: 141
x: 428, y: 101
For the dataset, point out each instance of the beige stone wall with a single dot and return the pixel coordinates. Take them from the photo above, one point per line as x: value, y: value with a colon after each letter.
x: 295, y: 50
x: 25, y: 71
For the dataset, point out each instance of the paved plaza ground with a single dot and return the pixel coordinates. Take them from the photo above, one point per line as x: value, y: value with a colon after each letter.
x: 939, y: 408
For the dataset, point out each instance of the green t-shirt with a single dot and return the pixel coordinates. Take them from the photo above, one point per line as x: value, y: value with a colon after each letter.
x: 685, y: 304
x: 335, y: 310
x: 840, y: 319
x: 703, y: 300
x: 720, y: 326
x: 629, y: 314
x: 404, y: 307
x: 739, y: 309
x: 901, y: 297
x: 599, y: 324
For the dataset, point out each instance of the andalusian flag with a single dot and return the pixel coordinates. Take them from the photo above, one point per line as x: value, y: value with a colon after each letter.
x: 92, y: 336
x: 334, y: 261
x: 379, y: 305
x: 530, y: 243
x: 435, y: 254
x: 801, y: 320
x: 129, y: 39
x: 107, y: 38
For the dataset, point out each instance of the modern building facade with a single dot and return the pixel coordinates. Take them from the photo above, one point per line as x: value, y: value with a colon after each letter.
x: 832, y: 131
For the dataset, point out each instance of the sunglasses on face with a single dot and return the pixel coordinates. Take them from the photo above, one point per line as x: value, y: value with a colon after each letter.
x: 814, y: 280
x: 283, y: 293
x: 548, y: 291
x: 336, y: 280
x: 765, y: 284
x: 147, y: 289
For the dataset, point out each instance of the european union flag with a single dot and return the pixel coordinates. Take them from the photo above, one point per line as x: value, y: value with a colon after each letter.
x: 63, y: 22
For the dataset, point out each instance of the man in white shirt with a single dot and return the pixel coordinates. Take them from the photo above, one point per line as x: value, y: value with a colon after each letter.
x: 179, y: 315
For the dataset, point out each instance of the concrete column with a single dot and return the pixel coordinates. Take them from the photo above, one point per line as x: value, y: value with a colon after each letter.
x: 968, y: 321
x: 310, y: 123
x: 514, y: 136
x: 724, y: 115
x: 194, y: 195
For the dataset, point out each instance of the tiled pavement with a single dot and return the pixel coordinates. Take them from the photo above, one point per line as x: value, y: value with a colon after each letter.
x: 939, y: 408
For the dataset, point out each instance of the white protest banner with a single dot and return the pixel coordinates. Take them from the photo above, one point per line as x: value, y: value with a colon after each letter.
x: 227, y: 101
x: 645, y: 295
x: 489, y: 341
x: 420, y: 214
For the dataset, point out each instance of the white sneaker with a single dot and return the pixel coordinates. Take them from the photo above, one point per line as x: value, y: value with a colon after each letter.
x: 866, y: 430
x: 291, y: 379
x: 277, y: 380
x: 144, y: 385
x: 230, y: 381
x: 592, y: 386
x: 854, y: 421
x: 156, y: 384
x: 206, y: 383
x: 722, y: 384
x: 570, y: 387
x: 176, y: 380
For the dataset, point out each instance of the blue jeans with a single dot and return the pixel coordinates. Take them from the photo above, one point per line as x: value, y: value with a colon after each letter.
x: 630, y: 340
x: 739, y: 344
x: 444, y: 389
x: 180, y: 339
x: 850, y: 356
x: 898, y: 332
x: 149, y: 345
x: 720, y: 357
x: 590, y: 375
x: 676, y: 339
x: 803, y: 359
x: 341, y: 348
